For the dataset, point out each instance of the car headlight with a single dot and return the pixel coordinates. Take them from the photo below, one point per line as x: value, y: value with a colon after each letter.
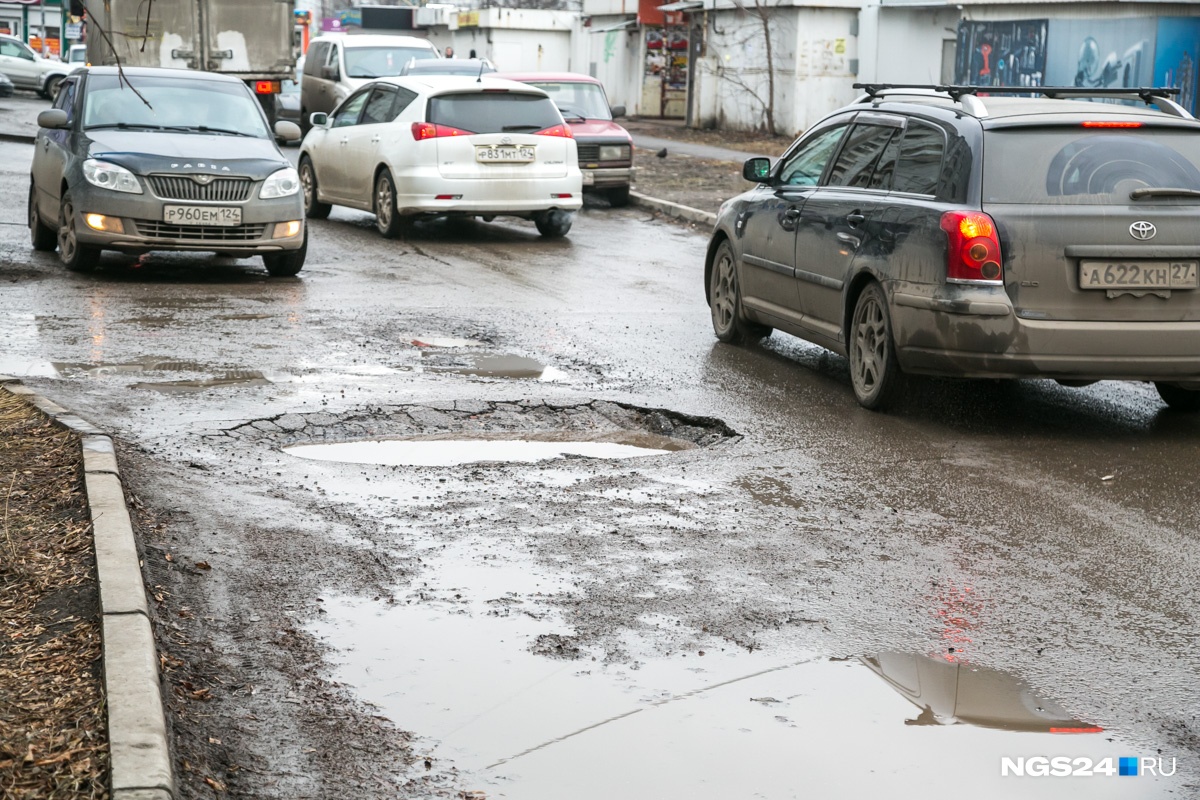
x: 284, y: 183
x: 110, y: 176
x: 614, y: 152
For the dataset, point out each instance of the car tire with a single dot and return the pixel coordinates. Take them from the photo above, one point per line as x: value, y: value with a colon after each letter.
x: 313, y: 208
x: 42, y: 236
x: 50, y: 87
x: 288, y: 263
x: 874, y: 368
x: 1178, y: 398
x: 387, y: 220
x: 725, y: 302
x: 74, y: 256
x: 619, y: 197
x: 554, y: 224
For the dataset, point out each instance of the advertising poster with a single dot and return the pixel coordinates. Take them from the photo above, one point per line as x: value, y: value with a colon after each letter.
x: 1175, y: 57
x: 1101, y: 53
x: 1001, y: 53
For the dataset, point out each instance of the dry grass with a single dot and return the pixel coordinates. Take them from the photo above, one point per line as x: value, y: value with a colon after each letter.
x: 53, y: 741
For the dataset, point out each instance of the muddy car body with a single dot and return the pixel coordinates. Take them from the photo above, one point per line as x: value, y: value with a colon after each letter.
x: 999, y: 238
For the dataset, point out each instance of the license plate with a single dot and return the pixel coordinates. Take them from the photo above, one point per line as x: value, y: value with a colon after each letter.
x: 220, y: 216
x: 504, y: 154
x: 1139, y: 275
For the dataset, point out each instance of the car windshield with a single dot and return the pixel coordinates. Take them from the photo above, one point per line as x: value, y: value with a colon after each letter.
x: 185, y: 103
x: 494, y: 112
x: 577, y: 98
x: 1071, y: 166
x: 382, y: 62
x: 77, y: 55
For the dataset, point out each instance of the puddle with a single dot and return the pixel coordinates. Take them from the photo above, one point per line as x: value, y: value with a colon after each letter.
x: 438, y: 341
x: 240, y: 378
x: 454, y: 662
x: 243, y: 317
x: 521, y: 448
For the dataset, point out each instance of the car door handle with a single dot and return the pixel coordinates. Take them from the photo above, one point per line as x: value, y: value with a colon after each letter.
x: 792, y: 214
x: 855, y: 219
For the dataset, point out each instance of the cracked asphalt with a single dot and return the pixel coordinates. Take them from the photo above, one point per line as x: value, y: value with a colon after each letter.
x: 682, y: 624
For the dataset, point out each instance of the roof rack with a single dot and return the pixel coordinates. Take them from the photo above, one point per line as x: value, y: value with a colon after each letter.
x: 966, y: 95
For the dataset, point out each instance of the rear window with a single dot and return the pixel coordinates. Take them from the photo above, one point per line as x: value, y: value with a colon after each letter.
x: 494, y: 112
x: 1077, y: 167
x: 382, y: 62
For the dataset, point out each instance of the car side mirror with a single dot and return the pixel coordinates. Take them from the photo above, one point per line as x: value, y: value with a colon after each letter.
x: 54, y: 118
x: 318, y: 119
x: 330, y: 73
x: 757, y: 170
x: 618, y: 112
x: 287, y: 130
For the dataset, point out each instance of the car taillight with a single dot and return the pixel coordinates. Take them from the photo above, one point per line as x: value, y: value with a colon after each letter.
x: 1101, y: 124
x: 427, y: 130
x: 267, y: 87
x: 973, y: 250
x: 557, y: 130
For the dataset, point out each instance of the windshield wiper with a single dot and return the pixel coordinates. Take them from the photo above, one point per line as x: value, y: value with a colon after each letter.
x: 207, y: 129
x: 572, y: 113
x: 123, y: 125
x: 1138, y: 194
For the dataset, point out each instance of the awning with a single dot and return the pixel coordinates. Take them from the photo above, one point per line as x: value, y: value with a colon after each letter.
x: 629, y: 23
x: 681, y: 5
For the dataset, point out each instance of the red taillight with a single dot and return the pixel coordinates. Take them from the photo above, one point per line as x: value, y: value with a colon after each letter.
x: 427, y: 130
x: 973, y: 250
x: 1098, y: 124
x: 557, y: 130
x: 267, y: 87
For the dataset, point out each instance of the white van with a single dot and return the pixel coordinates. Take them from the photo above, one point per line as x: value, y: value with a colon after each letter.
x: 335, y: 66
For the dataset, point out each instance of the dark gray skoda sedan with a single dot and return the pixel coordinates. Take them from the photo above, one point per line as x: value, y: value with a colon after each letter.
x: 931, y: 231
x: 163, y: 159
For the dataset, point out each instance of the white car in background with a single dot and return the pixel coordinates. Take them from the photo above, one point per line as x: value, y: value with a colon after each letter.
x: 444, y: 146
x: 28, y: 70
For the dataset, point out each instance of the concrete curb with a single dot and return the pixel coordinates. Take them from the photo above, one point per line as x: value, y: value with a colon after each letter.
x: 19, y: 138
x: 140, y: 756
x: 675, y: 210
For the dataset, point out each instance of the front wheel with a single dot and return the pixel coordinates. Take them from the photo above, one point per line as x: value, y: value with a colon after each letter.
x: 553, y: 224
x: 725, y: 302
x: 41, y: 235
x: 1178, y: 398
x: 74, y: 256
x: 387, y: 220
x: 874, y: 368
x: 313, y: 207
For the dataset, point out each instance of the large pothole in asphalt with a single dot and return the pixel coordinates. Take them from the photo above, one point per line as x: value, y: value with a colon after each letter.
x: 473, y: 431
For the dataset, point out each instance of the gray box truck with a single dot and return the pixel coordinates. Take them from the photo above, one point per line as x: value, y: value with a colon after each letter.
x: 249, y: 39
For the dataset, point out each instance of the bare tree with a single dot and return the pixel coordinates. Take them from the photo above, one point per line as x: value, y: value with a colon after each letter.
x: 745, y: 78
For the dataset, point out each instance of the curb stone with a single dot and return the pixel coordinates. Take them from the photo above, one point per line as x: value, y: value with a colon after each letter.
x: 675, y: 210
x: 140, y: 757
x: 19, y: 138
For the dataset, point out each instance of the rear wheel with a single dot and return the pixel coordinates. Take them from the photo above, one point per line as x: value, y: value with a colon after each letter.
x: 725, y: 302
x: 50, y: 87
x: 287, y: 263
x: 874, y: 368
x: 619, y: 197
x: 1177, y: 397
x: 43, y: 237
x: 74, y: 256
x: 313, y: 208
x: 387, y: 220
x: 554, y: 224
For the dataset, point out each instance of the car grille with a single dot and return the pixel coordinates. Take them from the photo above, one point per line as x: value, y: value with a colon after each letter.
x: 224, y: 190
x: 589, y: 152
x: 206, y: 233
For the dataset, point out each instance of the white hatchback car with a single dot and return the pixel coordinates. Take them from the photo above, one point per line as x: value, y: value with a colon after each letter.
x: 444, y: 146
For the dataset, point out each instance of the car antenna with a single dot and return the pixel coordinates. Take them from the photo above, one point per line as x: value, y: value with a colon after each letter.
x: 482, y: 64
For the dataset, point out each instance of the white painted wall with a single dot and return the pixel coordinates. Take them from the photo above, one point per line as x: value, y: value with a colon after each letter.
x: 514, y: 39
x: 615, y: 59
x: 813, y: 51
x: 904, y: 45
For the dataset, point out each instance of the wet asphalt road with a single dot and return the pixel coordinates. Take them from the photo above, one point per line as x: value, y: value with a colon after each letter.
x: 1049, y: 534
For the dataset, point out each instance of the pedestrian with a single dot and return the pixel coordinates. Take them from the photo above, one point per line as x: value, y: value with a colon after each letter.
x: 449, y: 52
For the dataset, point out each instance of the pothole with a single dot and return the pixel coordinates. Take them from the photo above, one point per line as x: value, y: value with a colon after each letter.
x: 449, y: 451
x: 211, y: 379
x: 474, y: 431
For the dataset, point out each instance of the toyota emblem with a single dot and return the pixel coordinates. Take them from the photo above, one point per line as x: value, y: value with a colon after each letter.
x: 1142, y: 230
x: 506, y: 140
